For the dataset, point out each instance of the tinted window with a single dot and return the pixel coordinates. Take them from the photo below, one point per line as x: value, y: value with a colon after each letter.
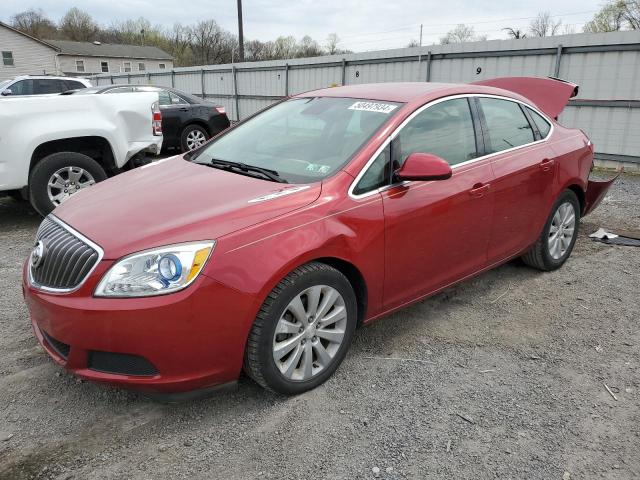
x: 444, y: 129
x: 508, y: 127
x: 73, y: 85
x: 541, y: 122
x: 23, y: 87
x: 45, y: 86
x: 377, y: 174
x: 303, y: 139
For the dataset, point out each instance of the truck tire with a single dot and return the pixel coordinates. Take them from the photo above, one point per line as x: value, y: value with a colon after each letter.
x: 58, y: 176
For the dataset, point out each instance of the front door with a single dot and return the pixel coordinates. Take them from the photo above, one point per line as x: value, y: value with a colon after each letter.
x: 437, y: 232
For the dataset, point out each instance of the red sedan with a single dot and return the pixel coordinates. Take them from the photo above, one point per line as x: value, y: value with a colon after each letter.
x: 263, y: 250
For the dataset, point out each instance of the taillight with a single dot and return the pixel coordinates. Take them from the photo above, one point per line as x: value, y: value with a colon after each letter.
x: 156, y: 119
x: 221, y: 110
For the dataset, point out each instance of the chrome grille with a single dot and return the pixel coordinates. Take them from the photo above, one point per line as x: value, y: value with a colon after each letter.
x: 67, y: 257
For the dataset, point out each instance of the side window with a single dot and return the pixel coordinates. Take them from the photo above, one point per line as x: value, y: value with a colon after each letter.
x: 444, y: 129
x: 377, y: 174
x: 508, y: 127
x: 104, y: 67
x: 126, y: 66
x: 176, y: 100
x: 543, y: 125
x: 79, y: 65
x: 165, y: 98
x: 73, y: 85
x: 141, y: 67
x: 46, y: 86
x: 23, y: 87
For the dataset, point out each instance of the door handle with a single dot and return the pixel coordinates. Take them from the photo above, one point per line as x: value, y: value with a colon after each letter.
x: 184, y: 109
x: 547, y: 164
x: 479, y: 189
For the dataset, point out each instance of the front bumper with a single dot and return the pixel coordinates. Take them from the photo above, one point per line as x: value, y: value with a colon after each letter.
x: 192, y: 339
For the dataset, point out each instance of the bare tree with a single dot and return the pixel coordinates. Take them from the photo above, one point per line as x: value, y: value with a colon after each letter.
x: 78, y: 25
x: 413, y: 43
x: 616, y: 15
x: 544, y: 25
x: 632, y: 14
x: 35, y: 23
x: 308, y: 47
x: 462, y: 33
x: 332, y: 43
x: 515, y: 33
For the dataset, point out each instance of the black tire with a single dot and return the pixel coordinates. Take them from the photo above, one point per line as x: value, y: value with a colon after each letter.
x: 539, y: 256
x: 185, y: 133
x: 258, y: 360
x: 44, y: 170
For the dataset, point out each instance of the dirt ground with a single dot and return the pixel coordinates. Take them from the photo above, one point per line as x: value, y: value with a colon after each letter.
x: 502, y: 376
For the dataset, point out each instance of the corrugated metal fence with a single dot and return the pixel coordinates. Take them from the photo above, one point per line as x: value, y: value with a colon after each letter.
x: 605, y: 65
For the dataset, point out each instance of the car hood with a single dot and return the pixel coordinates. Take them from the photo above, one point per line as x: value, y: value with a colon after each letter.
x: 173, y: 201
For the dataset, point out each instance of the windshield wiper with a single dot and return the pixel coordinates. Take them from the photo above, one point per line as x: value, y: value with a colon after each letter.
x: 243, y: 167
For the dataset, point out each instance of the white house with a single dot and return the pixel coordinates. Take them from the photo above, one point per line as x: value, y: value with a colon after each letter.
x: 90, y: 58
x: 23, y: 54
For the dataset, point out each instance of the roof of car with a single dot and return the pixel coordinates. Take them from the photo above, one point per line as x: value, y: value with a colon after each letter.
x: 403, y: 91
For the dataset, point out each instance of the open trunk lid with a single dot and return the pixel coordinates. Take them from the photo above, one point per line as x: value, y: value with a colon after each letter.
x: 550, y: 95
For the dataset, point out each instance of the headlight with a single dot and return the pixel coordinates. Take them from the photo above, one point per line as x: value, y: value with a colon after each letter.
x: 155, y: 272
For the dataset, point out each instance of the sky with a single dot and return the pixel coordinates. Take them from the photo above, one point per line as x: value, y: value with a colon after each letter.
x: 361, y: 25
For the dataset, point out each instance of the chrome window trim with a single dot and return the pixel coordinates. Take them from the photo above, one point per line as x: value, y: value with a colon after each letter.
x: 396, y: 132
x: 73, y: 231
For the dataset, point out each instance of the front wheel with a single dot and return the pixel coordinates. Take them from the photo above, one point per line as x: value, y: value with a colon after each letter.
x: 303, y: 330
x: 58, y: 176
x: 192, y: 137
x: 558, y: 236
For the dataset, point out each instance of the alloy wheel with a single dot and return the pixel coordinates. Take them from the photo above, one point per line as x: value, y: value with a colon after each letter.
x: 309, y: 332
x: 67, y: 181
x: 562, y: 230
x: 195, y: 138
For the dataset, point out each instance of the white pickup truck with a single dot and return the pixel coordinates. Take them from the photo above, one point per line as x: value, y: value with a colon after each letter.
x: 51, y: 147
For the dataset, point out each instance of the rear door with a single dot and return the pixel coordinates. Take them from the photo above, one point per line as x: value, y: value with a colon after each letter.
x: 437, y: 232
x: 175, y: 114
x: 524, y: 168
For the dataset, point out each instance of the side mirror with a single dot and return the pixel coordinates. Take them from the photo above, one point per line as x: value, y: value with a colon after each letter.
x: 6, y: 92
x: 424, y: 167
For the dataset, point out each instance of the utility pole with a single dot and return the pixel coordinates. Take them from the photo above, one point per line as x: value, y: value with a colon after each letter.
x: 420, y: 34
x: 240, y: 34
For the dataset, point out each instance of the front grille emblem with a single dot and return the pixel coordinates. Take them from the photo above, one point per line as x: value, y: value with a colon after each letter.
x: 37, y: 254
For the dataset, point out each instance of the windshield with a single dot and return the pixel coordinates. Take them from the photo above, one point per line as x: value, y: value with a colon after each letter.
x: 303, y: 140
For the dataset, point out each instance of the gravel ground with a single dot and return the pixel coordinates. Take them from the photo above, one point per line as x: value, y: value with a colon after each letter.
x: 501, y: 376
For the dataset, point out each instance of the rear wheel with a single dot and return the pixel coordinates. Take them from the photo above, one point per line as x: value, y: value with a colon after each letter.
x: 558, y: 236
x: 193, y: 136
x: 58, y: 176
x: 303, y: 330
